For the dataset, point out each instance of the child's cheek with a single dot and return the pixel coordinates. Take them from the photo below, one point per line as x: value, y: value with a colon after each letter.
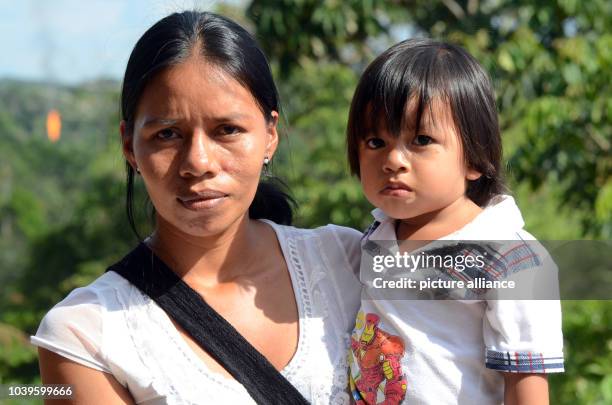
x: 442, y: 177
x: 368, y: 186
x: 369, y: 182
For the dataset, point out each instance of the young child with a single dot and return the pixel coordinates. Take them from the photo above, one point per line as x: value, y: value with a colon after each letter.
x: 424, y: 140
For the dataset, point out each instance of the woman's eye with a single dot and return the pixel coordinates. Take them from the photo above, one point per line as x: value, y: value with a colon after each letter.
x: 166, y: 134
x: 375, y: 143
x: 229, y: 130
x: 422, y: 140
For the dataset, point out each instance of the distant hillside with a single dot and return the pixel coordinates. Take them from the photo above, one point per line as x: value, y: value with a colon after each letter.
x: 41, y: 183
x: 87, y: 110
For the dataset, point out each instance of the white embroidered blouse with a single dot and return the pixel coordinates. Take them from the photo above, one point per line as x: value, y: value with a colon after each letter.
x: 111, y: 326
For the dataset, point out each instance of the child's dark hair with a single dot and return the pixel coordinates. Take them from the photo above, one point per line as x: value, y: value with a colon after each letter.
x: 424, y: 69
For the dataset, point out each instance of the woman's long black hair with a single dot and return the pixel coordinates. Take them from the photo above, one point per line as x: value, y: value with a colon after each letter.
x: 228, y: 46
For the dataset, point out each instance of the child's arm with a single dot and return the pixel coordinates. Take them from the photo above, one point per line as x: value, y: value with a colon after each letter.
x: 525, y: 389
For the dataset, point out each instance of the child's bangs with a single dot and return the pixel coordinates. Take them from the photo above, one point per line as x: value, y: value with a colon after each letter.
x: 390, y: 89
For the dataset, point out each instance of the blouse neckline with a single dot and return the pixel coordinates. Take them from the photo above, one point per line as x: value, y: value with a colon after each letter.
x: 303, y: 301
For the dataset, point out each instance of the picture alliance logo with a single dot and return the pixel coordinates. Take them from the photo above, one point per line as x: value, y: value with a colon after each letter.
x: 478, y: 284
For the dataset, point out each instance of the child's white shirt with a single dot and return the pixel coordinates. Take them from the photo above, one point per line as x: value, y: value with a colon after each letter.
x: 451, y: 351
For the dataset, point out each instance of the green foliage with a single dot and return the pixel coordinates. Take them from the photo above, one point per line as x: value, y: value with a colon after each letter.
x: 588, y: 344
x: 313, y: 29
x: 14, y: 350
x: 317, y: 102
x: 62, y: 208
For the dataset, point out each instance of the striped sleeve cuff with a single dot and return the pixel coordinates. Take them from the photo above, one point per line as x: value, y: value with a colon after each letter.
x: 524, y: 362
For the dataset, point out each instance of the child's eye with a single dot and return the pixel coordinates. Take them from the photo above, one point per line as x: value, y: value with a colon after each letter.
x: 229, y: 130
x: 167, y: 134
x: 422, y: 140
x: 374, y: 143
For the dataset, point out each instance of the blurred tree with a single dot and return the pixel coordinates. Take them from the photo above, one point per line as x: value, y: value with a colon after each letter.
x: 62, y: 214
x: 292, y: 31
x: 17, y: 356
x: 588, y: 351
x: 312, y: 159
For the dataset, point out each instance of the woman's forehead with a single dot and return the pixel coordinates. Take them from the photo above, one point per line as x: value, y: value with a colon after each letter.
x: 194, y: 77
x: 196, y: 87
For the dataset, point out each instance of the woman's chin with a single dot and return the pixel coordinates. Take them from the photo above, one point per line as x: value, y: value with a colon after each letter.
x: 204, y: 225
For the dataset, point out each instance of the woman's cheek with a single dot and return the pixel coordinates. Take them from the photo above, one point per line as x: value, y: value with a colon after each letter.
x: 232, y: 160
x: 153, y: 161
x: 239, y: 158
x: 161, y: 162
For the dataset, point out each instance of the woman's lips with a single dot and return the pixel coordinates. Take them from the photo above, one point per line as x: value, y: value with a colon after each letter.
x: 204, y: 199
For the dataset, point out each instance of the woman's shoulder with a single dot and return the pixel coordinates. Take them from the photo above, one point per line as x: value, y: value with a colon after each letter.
x: 74, y: 328
x: 342, y: 235
x: 335, y: 248
x: 338, y: 245
x: 103, y: 291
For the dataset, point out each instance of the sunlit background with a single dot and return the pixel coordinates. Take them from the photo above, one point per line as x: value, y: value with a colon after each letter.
x: 62, y: 216
x: 72, y: 41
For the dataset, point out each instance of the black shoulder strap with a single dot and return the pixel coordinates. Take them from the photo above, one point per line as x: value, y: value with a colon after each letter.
x: 214, y: 334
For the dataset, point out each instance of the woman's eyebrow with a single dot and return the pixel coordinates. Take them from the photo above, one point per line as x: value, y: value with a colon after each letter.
x: 156, y: 121
x: 231, y: 117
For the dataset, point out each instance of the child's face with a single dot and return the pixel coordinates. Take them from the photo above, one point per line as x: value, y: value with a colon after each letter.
x: 416, y: 173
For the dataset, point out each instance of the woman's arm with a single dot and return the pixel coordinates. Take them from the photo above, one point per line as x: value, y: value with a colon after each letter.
x: 90, y: 387
x: 525, y: 389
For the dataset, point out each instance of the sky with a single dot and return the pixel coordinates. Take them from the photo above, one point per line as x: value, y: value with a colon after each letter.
x: 72, y: 41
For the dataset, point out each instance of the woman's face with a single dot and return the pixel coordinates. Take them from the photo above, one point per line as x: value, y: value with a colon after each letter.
x: 199, y: 142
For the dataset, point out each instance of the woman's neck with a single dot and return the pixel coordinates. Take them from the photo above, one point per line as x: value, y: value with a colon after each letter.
x: 211, y: 259
x: 436, y: 224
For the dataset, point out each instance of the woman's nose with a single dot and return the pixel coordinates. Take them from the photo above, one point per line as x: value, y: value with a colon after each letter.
x: 198, y: 157
x: 397, y: 160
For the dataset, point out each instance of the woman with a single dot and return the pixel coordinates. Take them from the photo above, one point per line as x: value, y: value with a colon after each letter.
x: 199, y: 116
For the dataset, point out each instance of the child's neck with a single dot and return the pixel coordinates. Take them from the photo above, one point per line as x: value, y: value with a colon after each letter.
x: 436, y: 224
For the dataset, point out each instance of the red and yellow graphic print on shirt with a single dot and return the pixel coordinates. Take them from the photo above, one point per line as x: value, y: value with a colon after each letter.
x: 375, y: 368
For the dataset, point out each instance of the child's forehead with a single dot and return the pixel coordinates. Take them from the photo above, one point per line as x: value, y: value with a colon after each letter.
x: 434, y: 112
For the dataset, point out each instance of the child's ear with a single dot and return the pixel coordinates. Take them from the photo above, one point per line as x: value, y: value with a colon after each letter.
x: 472, y: 174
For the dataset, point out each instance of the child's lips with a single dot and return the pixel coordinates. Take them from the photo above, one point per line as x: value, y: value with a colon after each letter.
x: 396, y: 190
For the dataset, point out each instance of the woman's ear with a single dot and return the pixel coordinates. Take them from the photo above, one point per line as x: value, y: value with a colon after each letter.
x: 272, y: 141
x: 127, y: 143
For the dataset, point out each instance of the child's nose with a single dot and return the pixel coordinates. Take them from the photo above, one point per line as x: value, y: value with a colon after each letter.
x: 397, y: 161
